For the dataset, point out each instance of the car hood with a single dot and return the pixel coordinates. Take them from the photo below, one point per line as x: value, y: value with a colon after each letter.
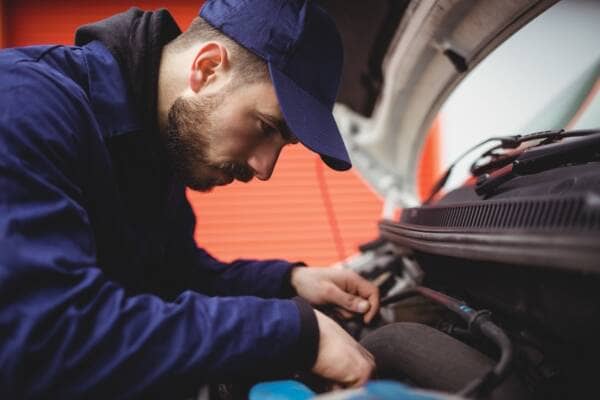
x: 402, y: 60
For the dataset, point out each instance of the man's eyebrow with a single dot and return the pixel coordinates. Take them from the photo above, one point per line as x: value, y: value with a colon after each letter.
x: 281, y: 126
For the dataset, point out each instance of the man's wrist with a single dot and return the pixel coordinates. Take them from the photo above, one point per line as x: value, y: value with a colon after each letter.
x: 288, y: 290
x: 308, y: 344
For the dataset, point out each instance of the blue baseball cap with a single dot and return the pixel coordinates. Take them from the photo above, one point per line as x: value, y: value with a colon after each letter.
x: 303, y: 50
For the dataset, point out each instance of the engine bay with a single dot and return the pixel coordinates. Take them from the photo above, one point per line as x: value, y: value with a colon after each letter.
x: 495, y: 294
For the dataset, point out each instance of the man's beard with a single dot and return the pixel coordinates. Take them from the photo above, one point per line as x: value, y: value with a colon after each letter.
x: 189, y: 134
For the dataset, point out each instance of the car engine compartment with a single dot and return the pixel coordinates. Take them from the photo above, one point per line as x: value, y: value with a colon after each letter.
x: 494, y: 293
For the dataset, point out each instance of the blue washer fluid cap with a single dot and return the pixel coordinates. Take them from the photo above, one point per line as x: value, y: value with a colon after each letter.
x: 281, y: 390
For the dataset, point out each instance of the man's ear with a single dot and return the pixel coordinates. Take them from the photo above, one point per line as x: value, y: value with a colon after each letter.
x: 210, y: 61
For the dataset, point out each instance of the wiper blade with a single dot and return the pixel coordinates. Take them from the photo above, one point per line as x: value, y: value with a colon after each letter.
x: 543, y: 157
x: 508, y: 141
x: 513, y: 142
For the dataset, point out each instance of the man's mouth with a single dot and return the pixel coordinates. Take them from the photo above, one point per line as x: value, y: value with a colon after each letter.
x: 227, y: 174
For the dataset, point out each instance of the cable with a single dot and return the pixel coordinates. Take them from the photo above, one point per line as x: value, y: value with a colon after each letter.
x: 397, y: 297
x: 333, y: 225
x: 508, y: 142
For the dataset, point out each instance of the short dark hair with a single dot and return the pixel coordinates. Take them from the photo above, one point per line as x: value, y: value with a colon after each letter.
x: 247, y: 65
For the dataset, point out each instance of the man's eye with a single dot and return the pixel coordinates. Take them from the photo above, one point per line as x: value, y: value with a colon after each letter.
x: 268, y: 130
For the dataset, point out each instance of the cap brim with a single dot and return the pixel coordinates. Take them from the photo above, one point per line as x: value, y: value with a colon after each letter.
x: 311, y: 121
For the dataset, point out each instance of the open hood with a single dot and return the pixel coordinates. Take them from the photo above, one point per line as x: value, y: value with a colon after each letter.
x: 403, y: 59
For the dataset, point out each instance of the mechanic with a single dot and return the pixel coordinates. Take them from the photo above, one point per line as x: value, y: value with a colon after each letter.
x: 103, y: 291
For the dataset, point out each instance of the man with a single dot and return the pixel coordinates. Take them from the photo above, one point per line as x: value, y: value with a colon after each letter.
x: 103, y: 292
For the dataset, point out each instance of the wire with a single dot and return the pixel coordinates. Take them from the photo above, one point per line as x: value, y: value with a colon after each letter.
x: 508, y: 142
x: 397, y: 297
x: 328, y: 204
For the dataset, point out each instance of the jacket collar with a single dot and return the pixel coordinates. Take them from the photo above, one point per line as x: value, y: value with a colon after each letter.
x: 135, y: 39
x: 110, y: 99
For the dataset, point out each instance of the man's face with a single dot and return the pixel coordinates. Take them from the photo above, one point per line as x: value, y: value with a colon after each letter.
x: 215, y: 138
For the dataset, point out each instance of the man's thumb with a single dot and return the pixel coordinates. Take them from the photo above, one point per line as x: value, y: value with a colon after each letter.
x: 349, y: 302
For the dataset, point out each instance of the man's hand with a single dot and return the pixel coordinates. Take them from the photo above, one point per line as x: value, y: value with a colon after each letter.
x: 341, y: 359
x: 344, y: 288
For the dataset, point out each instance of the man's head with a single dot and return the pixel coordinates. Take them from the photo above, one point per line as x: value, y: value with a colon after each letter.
x: 226, y: 123
x: 229, y: 100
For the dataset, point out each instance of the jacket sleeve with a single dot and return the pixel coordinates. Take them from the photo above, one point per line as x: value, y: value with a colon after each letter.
x: 65, y: 329
x: 264, y: 278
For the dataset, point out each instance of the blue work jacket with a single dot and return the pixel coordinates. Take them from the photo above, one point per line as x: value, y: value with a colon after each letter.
x: 103, y: 292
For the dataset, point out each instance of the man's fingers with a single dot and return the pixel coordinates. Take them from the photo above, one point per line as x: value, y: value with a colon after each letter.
x: 345, y: 314
x: 347, y: 301
x: 369, y: 291
x: 357, y: 304
x: 340, y: 358
x: 374, y: 301
x: 366, y: 290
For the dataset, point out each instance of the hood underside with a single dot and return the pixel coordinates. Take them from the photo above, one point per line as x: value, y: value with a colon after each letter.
x: 402, y: 60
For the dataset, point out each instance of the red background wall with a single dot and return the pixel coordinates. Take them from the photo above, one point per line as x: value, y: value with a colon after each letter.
x: 305, y: 212
x: 2, y: 25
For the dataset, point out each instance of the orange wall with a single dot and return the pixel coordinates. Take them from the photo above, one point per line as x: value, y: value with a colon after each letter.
x: 43, y: 21
x: 2, y: 24
x: 429, y: 168
x: 305, y: 212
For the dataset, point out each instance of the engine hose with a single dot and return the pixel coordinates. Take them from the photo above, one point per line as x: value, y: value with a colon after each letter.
x: 479, y: 322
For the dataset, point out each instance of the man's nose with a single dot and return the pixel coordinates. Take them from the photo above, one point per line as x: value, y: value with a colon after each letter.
x: 263, y: 161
